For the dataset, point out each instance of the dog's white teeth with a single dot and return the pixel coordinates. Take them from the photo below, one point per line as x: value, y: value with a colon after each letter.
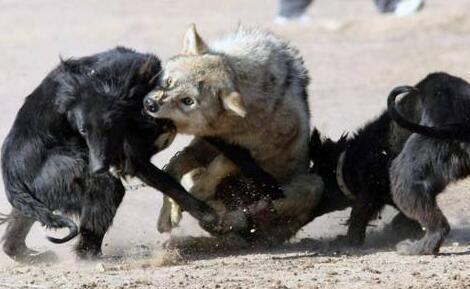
x: 152, y: 114
x: 114, y: 172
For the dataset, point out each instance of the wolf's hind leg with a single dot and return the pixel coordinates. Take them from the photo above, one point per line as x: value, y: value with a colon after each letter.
x: 302, y: 195
x: 14, y: 244
x: 205, y: 181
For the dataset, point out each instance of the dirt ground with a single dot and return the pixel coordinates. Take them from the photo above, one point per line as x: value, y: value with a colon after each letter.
x: 354, y: 55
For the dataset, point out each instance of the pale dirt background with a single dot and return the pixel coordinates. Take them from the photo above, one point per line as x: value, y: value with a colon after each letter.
x: 355, y: 56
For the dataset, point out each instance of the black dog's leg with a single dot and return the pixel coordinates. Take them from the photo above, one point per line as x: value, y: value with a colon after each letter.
x: 14, y: 244
x: 243, y: 159
x: 103, y: 197
x: 161, y: 181
x: 418, y: 203
x: 415, y: 183
x: 430, y: 217
x: 362, y: 212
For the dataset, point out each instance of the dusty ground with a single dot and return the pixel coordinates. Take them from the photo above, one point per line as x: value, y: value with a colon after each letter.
x: 355, y: 56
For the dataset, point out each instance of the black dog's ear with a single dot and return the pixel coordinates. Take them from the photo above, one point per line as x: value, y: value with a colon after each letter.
x: 143, y: 76
x: 315, y: 148
x: 68, y: 84
x: 64, y: 103
x: 315, y: 145
x: 70, y: 65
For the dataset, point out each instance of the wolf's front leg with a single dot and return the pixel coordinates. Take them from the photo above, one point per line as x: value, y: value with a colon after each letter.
x: 184, y: 166
x: 170, y: 215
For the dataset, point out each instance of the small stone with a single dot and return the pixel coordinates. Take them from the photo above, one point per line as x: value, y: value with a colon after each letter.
x: 100, y: 267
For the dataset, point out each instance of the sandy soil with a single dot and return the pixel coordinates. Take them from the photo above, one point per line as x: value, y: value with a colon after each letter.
x: 355, y: 56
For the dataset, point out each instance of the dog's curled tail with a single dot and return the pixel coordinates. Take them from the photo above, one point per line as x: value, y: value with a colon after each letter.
x: 460, y: 132
x: 31, y: 207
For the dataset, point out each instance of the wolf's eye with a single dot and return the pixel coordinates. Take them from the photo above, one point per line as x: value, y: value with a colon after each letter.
x: 187, y: 101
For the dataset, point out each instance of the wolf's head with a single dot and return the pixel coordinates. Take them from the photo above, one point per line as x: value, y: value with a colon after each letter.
x: 196, y: 89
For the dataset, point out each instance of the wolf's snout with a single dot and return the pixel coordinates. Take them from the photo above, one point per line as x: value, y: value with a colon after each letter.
x: 150, y: 105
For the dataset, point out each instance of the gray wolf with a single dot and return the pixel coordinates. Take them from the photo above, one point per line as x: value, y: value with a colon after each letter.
x: 435, y: 154
x: 249, y: 89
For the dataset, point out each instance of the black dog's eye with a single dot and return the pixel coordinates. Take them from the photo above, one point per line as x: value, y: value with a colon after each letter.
x: 82, y: 131
x: 187, y: 101
x: 168, y: 82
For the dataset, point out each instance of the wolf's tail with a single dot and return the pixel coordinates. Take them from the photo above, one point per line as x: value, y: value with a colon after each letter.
x: 460, y: 132
x: 31, y: 207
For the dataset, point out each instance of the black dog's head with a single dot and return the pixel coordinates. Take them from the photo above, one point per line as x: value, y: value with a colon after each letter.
x: 102, y: 94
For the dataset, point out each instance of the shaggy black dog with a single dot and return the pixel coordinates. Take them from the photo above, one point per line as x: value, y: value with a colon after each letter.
x: 54, y: 157
x: 436, y: 154
x: 85, y: 117
x: 355, y: 171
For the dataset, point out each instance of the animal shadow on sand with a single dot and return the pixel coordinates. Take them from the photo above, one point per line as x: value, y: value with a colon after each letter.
x: 192, y: 248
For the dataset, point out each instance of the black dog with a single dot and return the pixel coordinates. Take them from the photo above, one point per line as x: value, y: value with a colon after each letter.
x: 83, y: 118
x: 54, y: 157
x: 355, y: 171
x: 436, y: 154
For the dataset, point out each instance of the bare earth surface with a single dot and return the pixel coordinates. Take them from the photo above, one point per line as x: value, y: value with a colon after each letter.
x: 355, y: 56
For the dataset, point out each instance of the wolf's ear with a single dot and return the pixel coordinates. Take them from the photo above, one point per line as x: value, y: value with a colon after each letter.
x: 193, y: 43
x: 233, y: 102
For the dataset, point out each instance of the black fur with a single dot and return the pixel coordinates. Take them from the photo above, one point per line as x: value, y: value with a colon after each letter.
x: 46, y: 155
x: 369, y: 153
x: 436, y: 154
x: 448, y: 131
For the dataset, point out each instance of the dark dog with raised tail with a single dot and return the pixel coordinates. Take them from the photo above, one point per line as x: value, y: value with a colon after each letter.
x: 435, y: 154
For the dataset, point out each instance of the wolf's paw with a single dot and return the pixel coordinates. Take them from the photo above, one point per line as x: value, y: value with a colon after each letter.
x: 170, y: 216
x: 175, y: 214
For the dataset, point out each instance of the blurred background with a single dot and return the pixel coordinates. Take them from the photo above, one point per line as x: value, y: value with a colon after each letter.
x: 355, y: 56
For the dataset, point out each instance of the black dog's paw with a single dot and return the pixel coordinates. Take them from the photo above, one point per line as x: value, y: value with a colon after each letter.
x: 88, y: 255
x: 346, y: 241
x: 409, y: 247
x: 211, y: 223
x: 428, y: 245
